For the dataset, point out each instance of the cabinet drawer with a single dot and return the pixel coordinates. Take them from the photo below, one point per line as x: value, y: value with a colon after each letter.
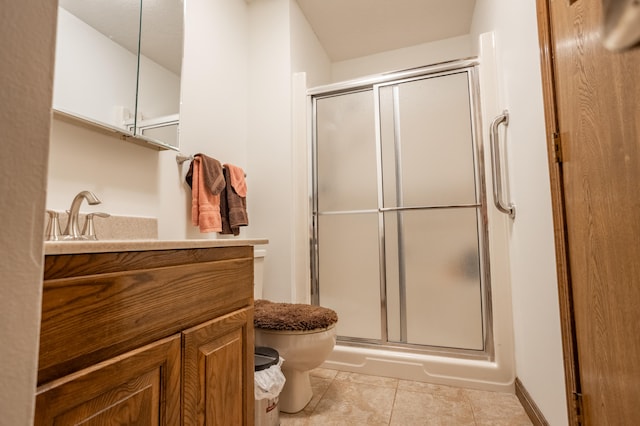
x: 87, y: 319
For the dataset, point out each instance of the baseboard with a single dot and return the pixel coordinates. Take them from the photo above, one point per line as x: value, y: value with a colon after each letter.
x: 529, y: 405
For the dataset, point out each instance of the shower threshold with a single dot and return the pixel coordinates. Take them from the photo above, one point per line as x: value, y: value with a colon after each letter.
x: 415, y: 349
x: 437, y: 366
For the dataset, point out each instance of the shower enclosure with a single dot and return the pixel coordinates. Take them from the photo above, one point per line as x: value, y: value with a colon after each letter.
x: 399, y: 244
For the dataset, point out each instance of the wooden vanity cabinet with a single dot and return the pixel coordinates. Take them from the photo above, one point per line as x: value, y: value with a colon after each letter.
x: 215, y: 379
x: 161, y: 337
x: 140, y: 387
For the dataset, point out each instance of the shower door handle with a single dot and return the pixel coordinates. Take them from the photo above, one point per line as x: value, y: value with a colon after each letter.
x: 496, y: 165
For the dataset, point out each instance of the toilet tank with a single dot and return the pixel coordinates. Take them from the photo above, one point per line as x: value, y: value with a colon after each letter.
x: 258, y: 271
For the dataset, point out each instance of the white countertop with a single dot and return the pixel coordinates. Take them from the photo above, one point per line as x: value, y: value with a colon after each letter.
x: 102, y: 246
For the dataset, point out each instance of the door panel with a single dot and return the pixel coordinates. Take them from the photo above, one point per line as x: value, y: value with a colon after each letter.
x: 346, y: 154
x: 431, y: 144
x: 444, y: 305
x: 218, y: 371
x: 349, y: 272
x: 441, y: 271
x: 598, y: 110
x: 397, y: 208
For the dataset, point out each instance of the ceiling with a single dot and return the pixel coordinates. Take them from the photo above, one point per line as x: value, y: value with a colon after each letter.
x: 346, y: 28
x: 349, y: 29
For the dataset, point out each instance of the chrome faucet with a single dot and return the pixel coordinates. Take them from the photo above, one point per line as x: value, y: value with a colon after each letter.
x: 72, y: 231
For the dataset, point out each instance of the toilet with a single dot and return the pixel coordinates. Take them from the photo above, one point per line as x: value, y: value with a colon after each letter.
x: 304, y: 336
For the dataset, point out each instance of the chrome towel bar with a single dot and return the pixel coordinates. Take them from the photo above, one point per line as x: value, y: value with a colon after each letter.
x: 181, y: 158
x: 496, y: 165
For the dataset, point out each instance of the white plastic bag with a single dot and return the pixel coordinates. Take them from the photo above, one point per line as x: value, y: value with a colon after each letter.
x: 269, y: 382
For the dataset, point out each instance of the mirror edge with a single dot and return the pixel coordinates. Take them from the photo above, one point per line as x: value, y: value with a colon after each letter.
x: 109, y: 130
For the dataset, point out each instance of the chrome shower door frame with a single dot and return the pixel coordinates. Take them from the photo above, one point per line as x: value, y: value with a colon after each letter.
x: 470, y: 67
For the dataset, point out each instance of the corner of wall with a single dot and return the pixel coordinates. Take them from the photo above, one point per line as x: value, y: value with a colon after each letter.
x: 537, y: 342
x: 27, y: 35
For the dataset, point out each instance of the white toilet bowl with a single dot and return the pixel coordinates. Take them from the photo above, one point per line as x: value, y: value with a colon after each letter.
x: 302, y: 351
x: 304, y: 336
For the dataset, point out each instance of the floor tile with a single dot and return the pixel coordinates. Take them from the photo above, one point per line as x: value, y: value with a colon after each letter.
x: 319, y: 387
x: 431, y: 408
x: 447, y: 391
x: 386, y: 382
x: 294, y: 420
x: 324, y: 373
x: 350, y: 403
x: 497, y: 409
x: 344, y: 399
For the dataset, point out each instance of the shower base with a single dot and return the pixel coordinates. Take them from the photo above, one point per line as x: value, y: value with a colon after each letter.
x: 482, y: 374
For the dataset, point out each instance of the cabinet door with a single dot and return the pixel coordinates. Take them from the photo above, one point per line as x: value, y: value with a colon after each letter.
x: 218, y: 371
x: 141, y: 387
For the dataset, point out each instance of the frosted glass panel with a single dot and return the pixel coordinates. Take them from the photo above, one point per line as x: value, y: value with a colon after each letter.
x: 435, y: 143
x: 346, y: 152
x: 349, y: 272
x: 442, y: 272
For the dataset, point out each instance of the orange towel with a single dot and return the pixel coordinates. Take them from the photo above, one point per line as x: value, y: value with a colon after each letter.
x: 237, y: 179
x: 207, y: 184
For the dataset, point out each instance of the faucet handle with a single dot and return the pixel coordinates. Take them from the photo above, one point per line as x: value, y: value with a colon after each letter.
x: 89, y: 231
x: 52, y: 232
x: 66, y: 228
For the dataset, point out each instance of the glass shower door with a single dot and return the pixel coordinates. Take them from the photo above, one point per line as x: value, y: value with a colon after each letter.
x: 398, y: 210
x: 431, y: 212
x: 347, y: 218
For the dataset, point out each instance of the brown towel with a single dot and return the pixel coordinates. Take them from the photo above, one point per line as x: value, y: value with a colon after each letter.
x: 207, y: 182
x: 233, y: 206
x: 212, y: 170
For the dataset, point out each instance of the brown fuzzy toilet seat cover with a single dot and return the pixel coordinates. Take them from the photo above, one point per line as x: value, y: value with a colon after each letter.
x: 292, y: 316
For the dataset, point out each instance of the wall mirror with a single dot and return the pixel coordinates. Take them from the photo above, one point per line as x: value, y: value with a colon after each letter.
x: 118, y: 66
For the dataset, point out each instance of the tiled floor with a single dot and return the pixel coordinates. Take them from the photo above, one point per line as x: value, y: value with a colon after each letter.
x: 341, y: 398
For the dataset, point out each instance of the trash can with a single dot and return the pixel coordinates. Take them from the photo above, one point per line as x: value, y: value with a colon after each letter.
x: 269, y: 382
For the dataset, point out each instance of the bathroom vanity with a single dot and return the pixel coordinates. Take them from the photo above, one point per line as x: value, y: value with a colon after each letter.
x: 147, y: 332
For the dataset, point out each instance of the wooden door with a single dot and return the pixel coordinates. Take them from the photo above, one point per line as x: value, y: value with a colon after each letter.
x: 592, y: 102
x: 218, y: 371
x: 141, y: 387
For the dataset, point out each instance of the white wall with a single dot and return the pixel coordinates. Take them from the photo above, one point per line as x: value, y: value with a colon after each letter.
x: 310, y: 66
x: 405, y: 58
x: 282, y: 44
x: 27, y: 35
x: 269, y: 144
x: 213, y: 114
x: 538, y: 347
x: 121, y: 174
x: 307, y: 54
